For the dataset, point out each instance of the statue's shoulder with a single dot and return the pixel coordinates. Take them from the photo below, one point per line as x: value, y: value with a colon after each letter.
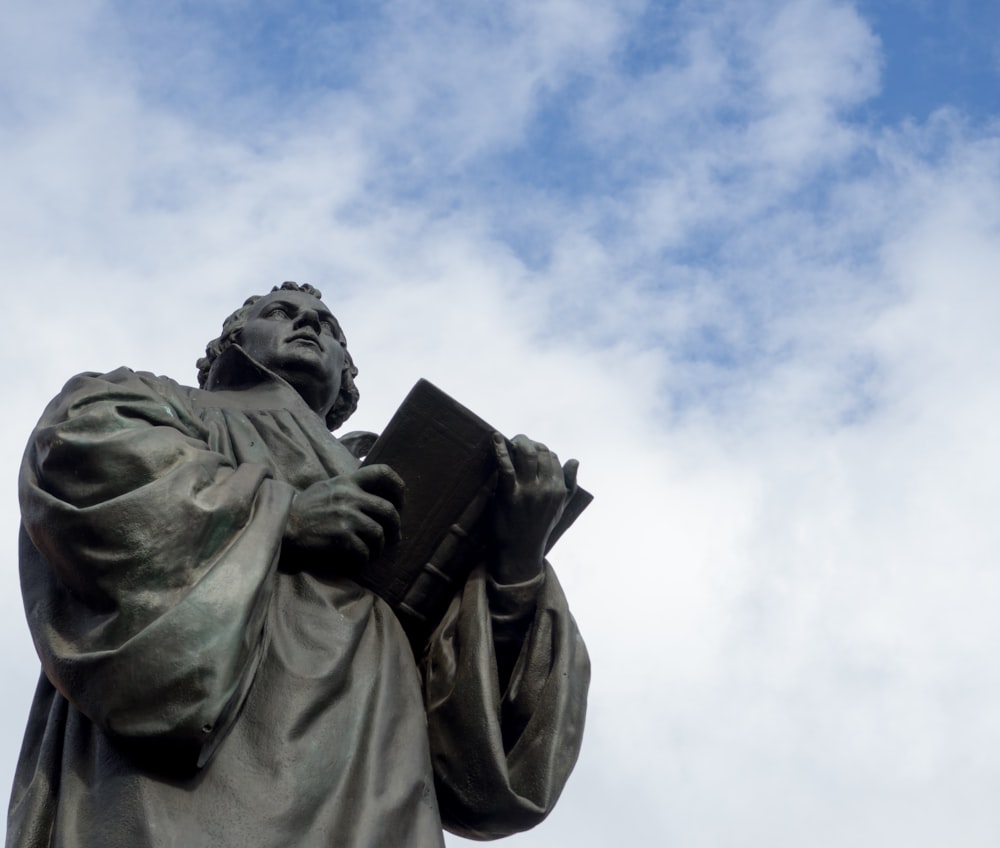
x: 121, y: 387
x: 124, y: 377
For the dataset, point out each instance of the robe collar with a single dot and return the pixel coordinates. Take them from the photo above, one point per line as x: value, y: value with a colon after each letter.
x: 238, y: 381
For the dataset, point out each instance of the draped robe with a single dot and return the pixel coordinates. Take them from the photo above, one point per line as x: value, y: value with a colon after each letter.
x: 202, y: 687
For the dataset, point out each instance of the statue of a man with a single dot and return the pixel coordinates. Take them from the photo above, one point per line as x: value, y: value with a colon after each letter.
x: 211, y: 673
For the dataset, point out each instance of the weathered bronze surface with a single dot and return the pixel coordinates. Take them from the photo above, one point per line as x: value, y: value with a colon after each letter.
x: 213, y: 674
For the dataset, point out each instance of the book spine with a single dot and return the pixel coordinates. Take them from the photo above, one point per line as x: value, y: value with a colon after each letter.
x: 448, y: 567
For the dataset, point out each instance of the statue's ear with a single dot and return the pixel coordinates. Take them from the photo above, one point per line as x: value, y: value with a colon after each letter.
x: 358, y: 442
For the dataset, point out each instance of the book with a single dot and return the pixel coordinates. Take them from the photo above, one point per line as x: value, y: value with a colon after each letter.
x: 444, y: 452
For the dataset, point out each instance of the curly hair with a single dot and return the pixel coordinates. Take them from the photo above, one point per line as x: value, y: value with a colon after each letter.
x: 347, y: 400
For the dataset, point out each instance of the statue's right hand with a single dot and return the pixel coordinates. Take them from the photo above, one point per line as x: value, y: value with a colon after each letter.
x: 351, y: 517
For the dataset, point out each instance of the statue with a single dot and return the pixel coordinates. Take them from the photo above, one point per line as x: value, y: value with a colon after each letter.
x: 213, y: 674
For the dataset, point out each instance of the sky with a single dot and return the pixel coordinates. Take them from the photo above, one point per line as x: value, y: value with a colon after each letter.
x: 739, y: 257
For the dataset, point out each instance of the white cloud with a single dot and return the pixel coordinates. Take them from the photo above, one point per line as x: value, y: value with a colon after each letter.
x: 767, y: 331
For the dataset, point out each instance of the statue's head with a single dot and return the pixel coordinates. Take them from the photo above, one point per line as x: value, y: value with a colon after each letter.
x: 291, y: 332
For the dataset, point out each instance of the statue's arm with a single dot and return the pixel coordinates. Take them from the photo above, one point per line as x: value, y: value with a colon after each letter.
x: 506, y: 673
x: 503, y: 755
x: 533, y: 488
x: 146, y: 561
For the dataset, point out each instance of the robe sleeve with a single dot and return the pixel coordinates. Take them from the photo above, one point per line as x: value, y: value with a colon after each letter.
x: 502, y: 757
x: 147, y: 563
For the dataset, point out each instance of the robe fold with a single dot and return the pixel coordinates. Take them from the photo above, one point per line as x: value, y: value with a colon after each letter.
x: 201, y: 687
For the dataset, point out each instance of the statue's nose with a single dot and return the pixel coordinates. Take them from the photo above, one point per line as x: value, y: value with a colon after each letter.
x: 308, y: 317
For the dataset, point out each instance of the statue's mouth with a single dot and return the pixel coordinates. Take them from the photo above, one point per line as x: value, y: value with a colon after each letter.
x: 312, y: 340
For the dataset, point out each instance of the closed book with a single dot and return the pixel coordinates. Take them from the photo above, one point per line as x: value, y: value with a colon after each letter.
x: 444, y: 453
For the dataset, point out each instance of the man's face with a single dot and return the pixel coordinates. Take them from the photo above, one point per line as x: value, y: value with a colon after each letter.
x: 294, y: 335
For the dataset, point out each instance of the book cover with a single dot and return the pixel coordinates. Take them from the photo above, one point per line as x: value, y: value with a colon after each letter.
x: 444, y: 452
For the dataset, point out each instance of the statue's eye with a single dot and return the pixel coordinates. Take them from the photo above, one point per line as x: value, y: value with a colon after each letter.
x: 276, y: 312
x: 328, y: 325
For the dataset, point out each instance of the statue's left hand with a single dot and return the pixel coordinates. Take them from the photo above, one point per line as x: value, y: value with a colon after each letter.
x: 532, y: 490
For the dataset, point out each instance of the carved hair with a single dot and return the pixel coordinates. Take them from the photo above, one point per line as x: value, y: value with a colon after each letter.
x: 347, y: 400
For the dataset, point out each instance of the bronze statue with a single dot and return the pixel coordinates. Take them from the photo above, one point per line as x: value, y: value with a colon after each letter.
x: 213, y: 675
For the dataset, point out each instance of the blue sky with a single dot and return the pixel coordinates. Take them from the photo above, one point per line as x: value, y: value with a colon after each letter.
x: 738, y: 257
x: 936, y: 55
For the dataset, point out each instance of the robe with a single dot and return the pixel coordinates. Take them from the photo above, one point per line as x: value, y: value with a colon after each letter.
x: 202, y: 687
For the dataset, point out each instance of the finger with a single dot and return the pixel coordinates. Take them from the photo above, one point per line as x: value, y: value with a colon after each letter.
x: 370, y: 534
x: 549, y: 465
x: 382, y: 512
x: 382, y: 481
x: 507, y: 479
x: 569, y: 474
x: 549, y: 471
x: 525, y: 455
x: 527, y: 443
x: 353, y: 548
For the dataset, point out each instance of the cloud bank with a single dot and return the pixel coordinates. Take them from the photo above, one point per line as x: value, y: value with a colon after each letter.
x: 673, y: 240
